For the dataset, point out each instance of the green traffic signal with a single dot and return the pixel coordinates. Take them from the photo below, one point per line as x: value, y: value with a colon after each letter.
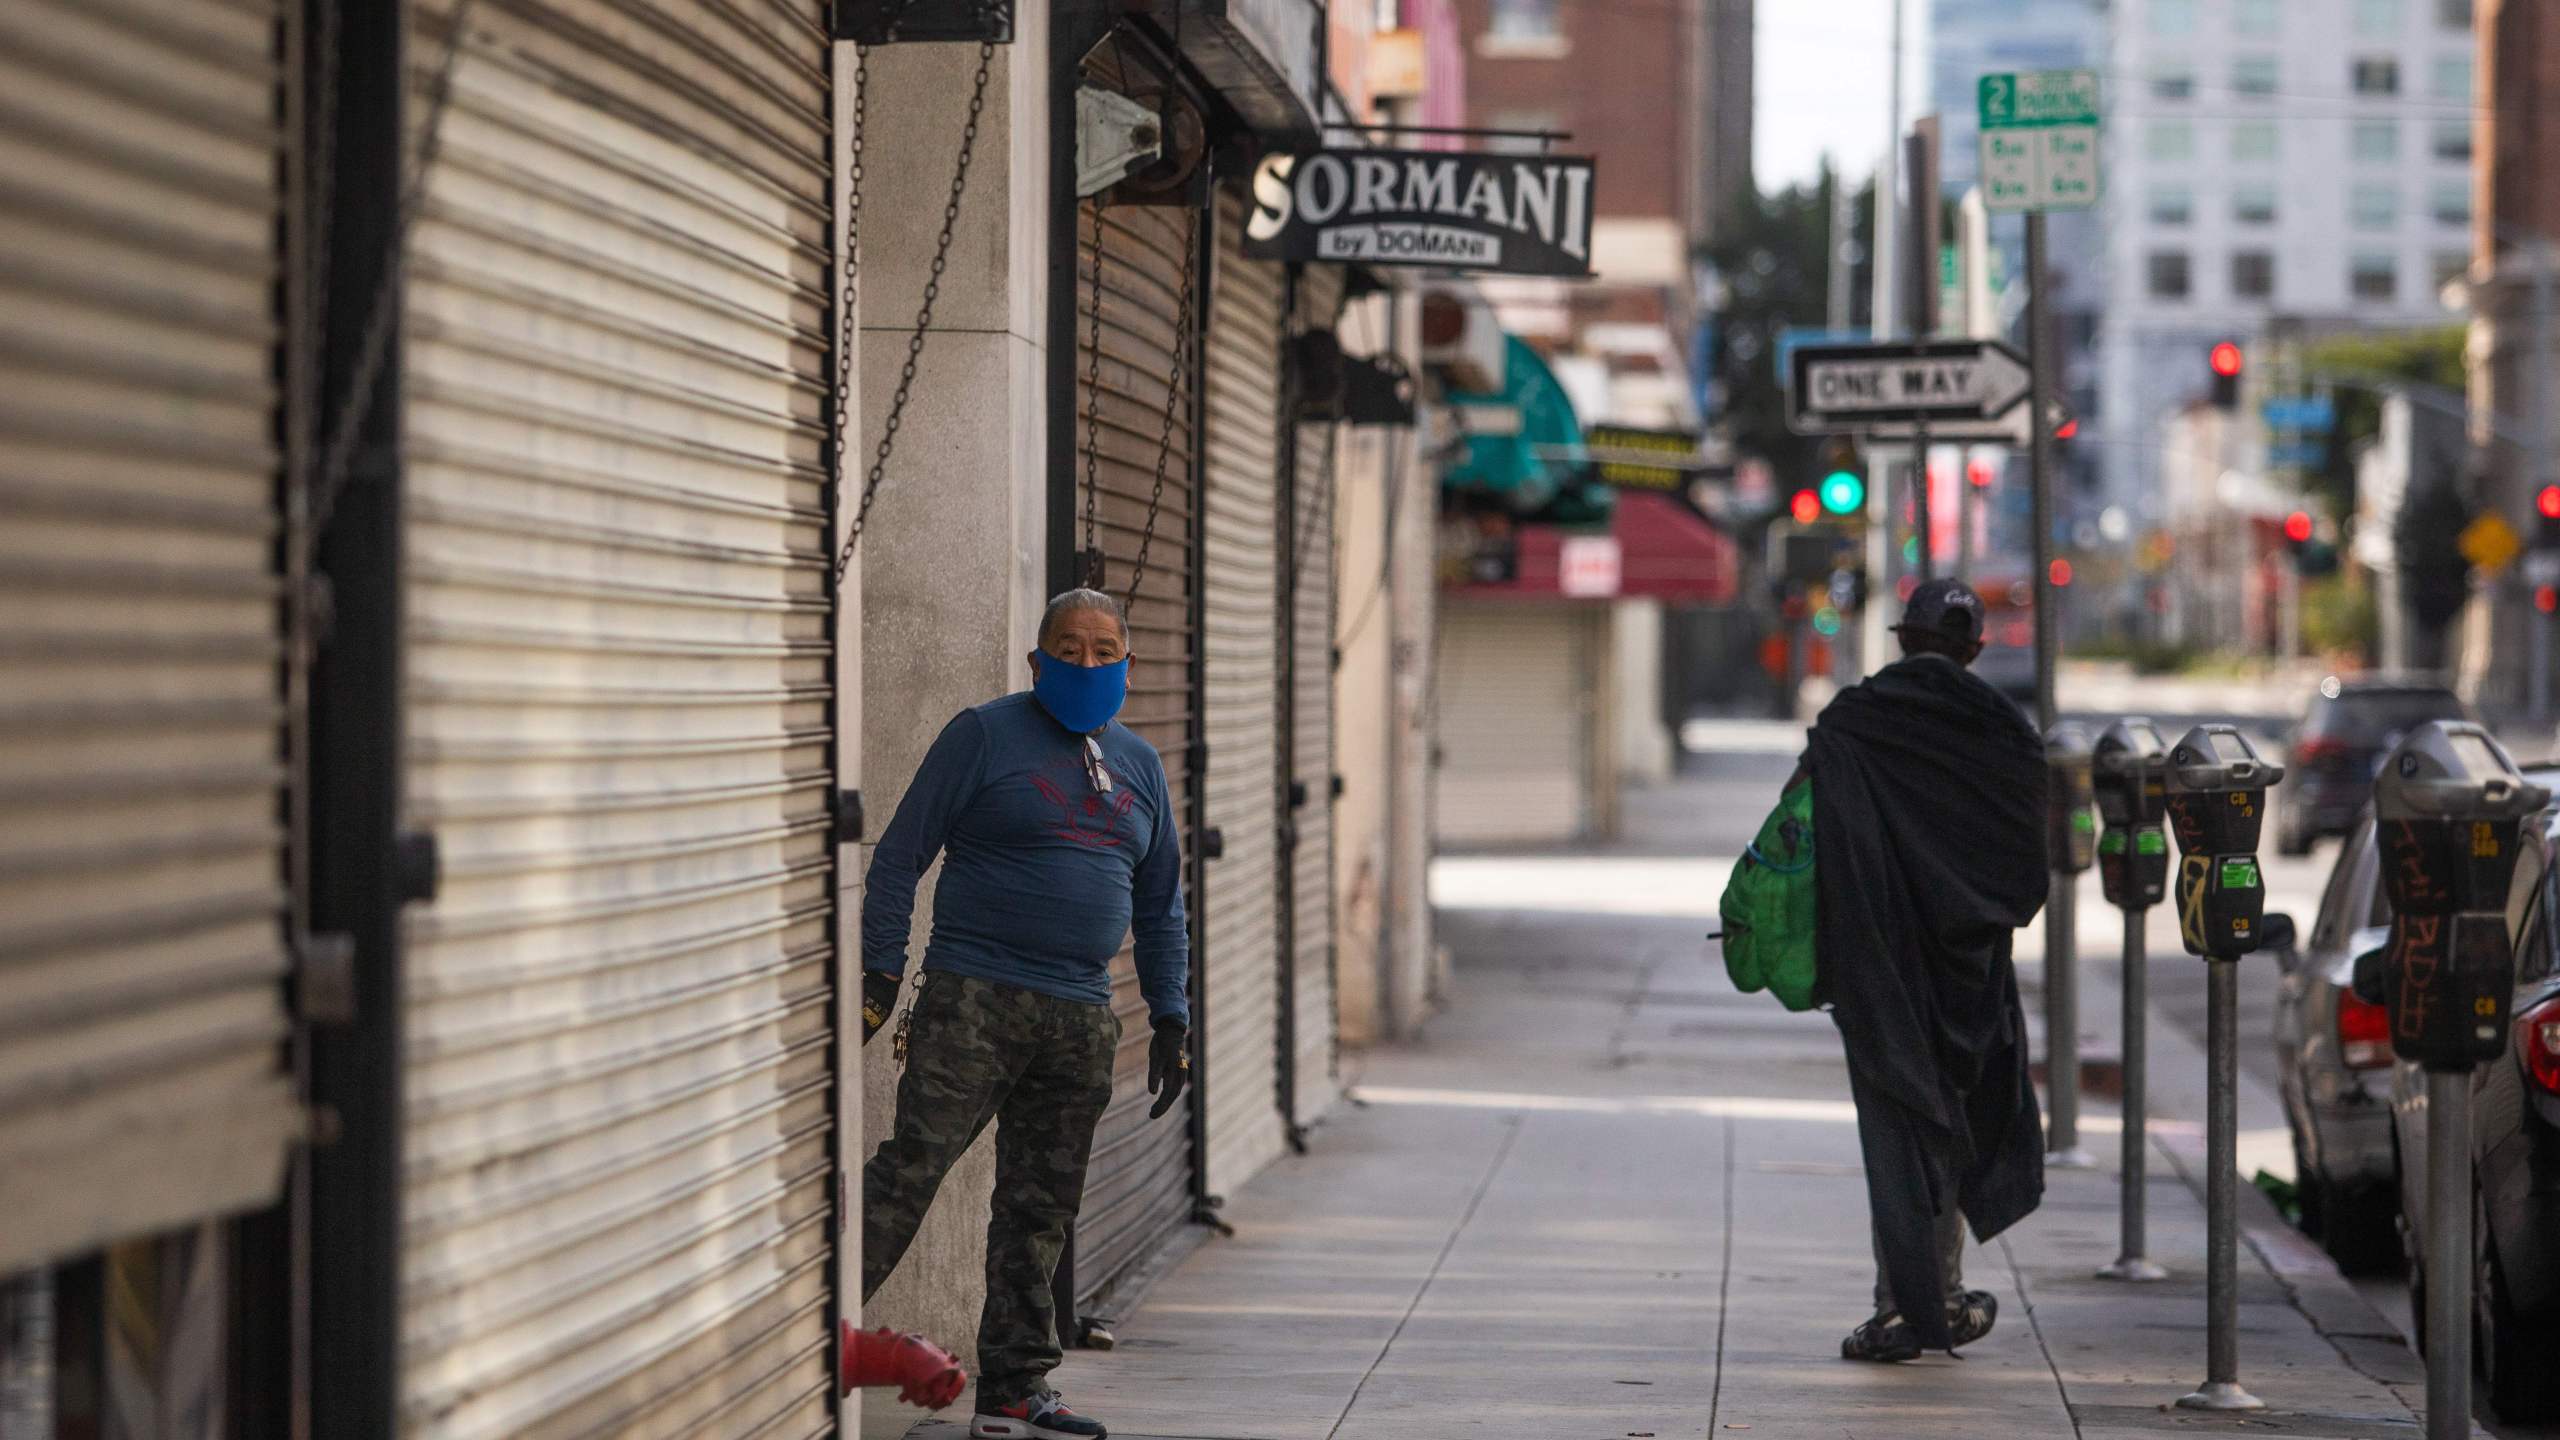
x: 1843, y: 492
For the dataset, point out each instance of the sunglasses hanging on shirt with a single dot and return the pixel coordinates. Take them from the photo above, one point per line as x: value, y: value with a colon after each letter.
x: 1094, y: 771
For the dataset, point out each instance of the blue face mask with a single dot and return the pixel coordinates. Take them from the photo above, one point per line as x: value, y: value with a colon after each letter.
x: 1081, y: 697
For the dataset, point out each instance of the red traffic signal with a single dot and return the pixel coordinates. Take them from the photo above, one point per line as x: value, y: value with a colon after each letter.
x: 2547, y: 501
x: 2297, y: 527
x: 1806, y: 507
x: 2546, y: 598
x: 2059, y: 572
x: 2225, y: 360
x: 2069, y: 428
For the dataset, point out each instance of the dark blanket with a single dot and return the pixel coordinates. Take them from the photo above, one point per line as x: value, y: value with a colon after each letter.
x: 1928, y: 815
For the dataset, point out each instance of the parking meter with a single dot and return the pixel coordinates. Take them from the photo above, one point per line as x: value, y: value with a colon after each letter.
x: 2132, y: 786
x: 2071, y: 832
x: 2446, y: 809
x: 2217, y: 798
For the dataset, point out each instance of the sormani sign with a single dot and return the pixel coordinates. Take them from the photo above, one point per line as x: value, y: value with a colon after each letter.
x: 1519, y: 214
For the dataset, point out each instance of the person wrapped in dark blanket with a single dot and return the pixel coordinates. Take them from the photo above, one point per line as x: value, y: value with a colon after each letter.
x: 1928, y: 811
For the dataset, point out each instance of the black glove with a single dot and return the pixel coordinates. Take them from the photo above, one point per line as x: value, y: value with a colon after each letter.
x: 879, y: 1001
x: 1168, y: 1064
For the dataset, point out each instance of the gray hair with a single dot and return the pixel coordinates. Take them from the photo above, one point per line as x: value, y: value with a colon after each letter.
x: 1068, y: 602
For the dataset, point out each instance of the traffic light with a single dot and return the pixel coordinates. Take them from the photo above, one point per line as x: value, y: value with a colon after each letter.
x: 2546, y: 523
x: 1806, y: 507
x: 2310, y: 557
x: 1843, y: 488
x: 2225, y: 361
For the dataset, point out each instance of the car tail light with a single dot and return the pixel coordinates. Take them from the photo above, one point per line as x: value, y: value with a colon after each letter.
x: 2538, y: 1044
x: 2364, y: 1032
x: 2316, y: 749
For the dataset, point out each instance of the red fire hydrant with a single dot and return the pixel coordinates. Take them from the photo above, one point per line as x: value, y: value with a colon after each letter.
x: 924, y: 1372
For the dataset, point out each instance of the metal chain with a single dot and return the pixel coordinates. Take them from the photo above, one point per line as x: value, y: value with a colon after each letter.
x: 1177, y: 389
x: 924, y: 315
x: 337, y: 462
x: 849, y: 305
x: 1093, y: 417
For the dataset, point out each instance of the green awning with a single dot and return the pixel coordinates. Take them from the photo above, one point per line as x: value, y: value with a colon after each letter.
x: 1516, y: 439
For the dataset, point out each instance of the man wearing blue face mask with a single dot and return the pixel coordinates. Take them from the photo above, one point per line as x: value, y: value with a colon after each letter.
x: 1058, y: 840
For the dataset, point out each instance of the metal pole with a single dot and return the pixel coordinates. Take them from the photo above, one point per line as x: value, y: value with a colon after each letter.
x: 1926, y: 568
x: 2133, y: 1262
x: 2221, y: 1390
x: 1965, y: 502
x: 2062, y: 1026
x: 2449, y: 1258
x: 2546, y: 466
x: 2061, y: 1000
x: 1844, y: 214
x: 2040, y: 467
x: 1875, y: 629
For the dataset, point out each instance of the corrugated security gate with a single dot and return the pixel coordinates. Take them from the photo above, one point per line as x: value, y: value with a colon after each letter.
x: 1128, y: 411
x: 1514, y: 721
x: 1309, y: 1036
x: 1240, y: 901
x: 143, y: 872
x: 619, y: 1152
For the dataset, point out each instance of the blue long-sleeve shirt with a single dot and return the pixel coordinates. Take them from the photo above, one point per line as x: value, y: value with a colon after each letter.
x: 1042, y: 877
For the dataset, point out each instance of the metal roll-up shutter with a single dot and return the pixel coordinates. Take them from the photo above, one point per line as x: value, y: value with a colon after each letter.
x: 619, y: 1157
x: 1239, y: 957
x: 143, y: 872
x: 1311, y: 618
x: 1514, y: 723
x: 1138, y: 1191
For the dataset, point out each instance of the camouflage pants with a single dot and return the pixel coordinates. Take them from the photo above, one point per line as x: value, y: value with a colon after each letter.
x: 1040, y: 1068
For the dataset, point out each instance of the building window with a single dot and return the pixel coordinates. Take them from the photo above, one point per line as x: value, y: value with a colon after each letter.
x: 2253, y: 140
x: 2449, y: 201
x: 2451, y: 77
x: 2169, y: 280
x: 2172, y: 204
x: 2450, y: 139
x: 1525, y: 20
x: 2374, y: 207
x: 2255, y: 17
x: 2253, y: 75
x: 2253, y: 274
x: 2253, y: 203
x: 2376, y: 75
x: 2375, y: 142
x: 2374, y: 276
x: 2453, y: 15
x: 2378, y: 18
x: 2173, y: 17
x: 2170, y: 140
x: 2451, y: 265
x: 2172, y: 80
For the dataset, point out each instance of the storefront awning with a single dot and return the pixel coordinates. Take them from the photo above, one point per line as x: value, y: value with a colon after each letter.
x: 1511, y: 434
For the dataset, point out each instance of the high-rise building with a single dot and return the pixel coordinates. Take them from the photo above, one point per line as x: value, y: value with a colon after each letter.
x: 2270, y: 163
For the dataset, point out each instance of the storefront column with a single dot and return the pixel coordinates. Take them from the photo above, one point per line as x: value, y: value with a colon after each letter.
x: 954, y: 559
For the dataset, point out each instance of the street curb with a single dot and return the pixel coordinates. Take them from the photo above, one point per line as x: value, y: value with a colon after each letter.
x: 2367, y: 1341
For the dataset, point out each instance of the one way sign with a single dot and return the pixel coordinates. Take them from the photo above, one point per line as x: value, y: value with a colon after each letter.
x: 1857, y: 387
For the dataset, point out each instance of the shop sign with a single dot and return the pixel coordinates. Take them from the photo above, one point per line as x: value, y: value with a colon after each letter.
x: 1587, y: 567
x: 1513, y: 214
x: 1624, y: 457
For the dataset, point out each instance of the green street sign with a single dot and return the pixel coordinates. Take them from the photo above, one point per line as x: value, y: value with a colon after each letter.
x: 2039, y: 139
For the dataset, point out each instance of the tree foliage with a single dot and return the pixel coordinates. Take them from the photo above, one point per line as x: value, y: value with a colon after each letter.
x: 1773, y: 256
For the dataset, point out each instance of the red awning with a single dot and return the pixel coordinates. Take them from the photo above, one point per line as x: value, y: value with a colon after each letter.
x: 1666, y: 551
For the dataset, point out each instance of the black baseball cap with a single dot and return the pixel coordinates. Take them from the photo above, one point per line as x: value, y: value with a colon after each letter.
x: 1945, y: 608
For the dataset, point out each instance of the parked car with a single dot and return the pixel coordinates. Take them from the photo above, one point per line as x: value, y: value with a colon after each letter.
x: 2331, y: 751
x: 2515, y: 1154
x: 2333, y: 1058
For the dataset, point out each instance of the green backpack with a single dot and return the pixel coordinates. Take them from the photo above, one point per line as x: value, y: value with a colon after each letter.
x: 1767, y: 907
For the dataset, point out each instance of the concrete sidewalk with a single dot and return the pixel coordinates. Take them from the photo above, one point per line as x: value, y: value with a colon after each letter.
x: 1610, y: 1197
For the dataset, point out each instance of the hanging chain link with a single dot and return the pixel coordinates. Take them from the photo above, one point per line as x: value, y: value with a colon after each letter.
x: 924, y: 311
x: 1093, y: 416
x: 337, y: 459
x: 1177, y: 390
